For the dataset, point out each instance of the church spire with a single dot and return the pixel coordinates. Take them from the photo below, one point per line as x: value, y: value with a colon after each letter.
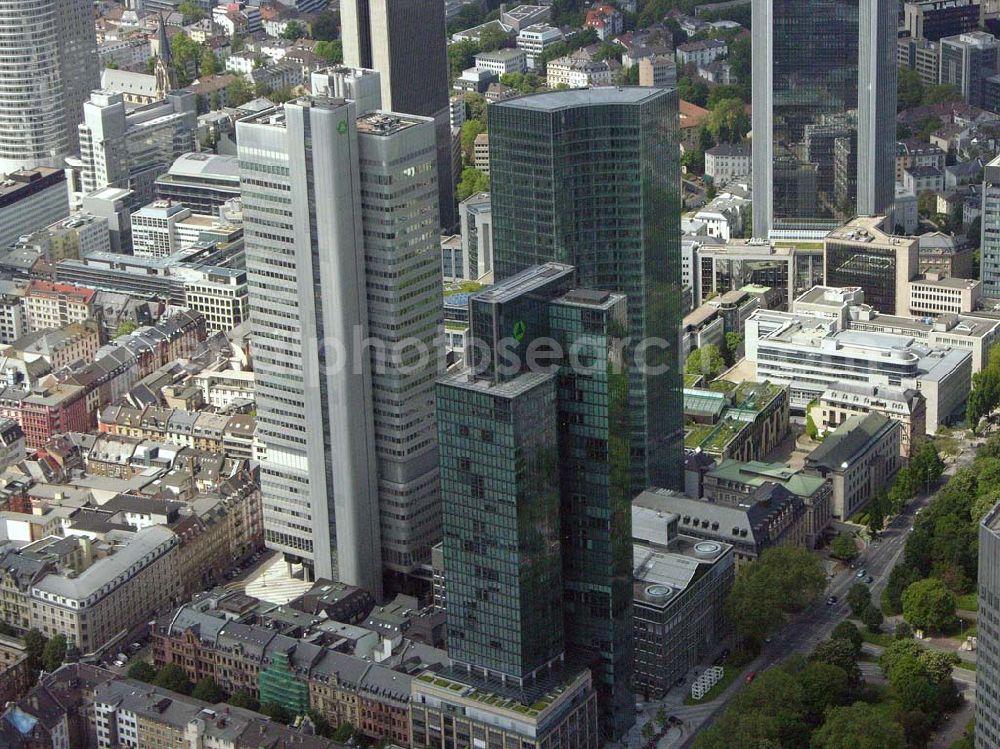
x: 166, y: 78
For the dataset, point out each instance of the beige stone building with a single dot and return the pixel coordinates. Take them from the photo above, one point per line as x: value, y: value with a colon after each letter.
x: 839, y: 402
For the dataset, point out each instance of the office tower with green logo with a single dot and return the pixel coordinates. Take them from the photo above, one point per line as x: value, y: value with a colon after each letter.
x: 591, y: 178
x: 536, y: 324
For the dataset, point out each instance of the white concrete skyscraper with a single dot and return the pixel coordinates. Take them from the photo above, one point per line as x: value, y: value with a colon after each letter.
x: 341, y: 234
x: 48, y: 67
x: 824, y: 93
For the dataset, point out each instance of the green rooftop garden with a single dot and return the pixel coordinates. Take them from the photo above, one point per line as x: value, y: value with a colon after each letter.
x: 463, y: 287
x: 492, y: 699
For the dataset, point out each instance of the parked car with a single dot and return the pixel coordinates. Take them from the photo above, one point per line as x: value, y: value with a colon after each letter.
x: 830, y: 600
x: 750, y: 676
x: 861, y: 573
x: 869, y: 579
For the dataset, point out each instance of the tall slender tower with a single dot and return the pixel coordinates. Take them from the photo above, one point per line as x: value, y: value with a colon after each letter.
x: 988, y: 670
x: 537, y: 512
x: 342, y: 284
x: 591, y: 178
x: 406, y: 42
x: 48, y: 67
x: 824, y: 92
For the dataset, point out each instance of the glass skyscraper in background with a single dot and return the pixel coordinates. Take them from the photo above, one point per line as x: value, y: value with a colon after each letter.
x: 824, y: 94
x: 591, y: 178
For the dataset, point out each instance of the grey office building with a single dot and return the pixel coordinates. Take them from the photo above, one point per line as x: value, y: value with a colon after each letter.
x: 967, y: 60
x: 48, y: 67
x: 405, y: 41
x: 347, y: 424
x: 591, y: 178
x: 988, y: 643
x: 989, y: 252
x: 824, y: 92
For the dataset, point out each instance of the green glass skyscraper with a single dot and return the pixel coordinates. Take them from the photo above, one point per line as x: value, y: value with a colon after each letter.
x: 591, y: 178
x: 584, y: 602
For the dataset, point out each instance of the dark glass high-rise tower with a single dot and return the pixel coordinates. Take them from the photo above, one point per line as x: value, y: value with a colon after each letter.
x: 498, y: 477
x: 591, y: 177
x: 824, y: 92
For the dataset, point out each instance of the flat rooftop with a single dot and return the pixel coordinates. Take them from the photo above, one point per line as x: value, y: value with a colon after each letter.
x: 386, y: 123
x: 521, y: 283
x: 553, y: 101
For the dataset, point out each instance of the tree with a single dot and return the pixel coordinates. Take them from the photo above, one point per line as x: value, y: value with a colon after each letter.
x: 733, y: 342
x: 728, y: 121
x: 926, y: 465
x: 344, y: 732
x: 187, y: 57
x: 843, y: 547
x: 172, y: 677
x: 823, y: 685
x: 648, y: 730
x: 54, y: 653
x: 859, y: 597
x: 860, y: 726
x: 331, y: 52
x: 706, y: 361
x: 848, y: 631
x: 901, y: 576
x: 928, y: 604
x: 472, y: 181
x: 903, y: 631
x: 191, y: 12
x: 839, y: 653
x: 124, y: 328
x: 293, y: 31
x: 941, y: 94
x: 326, y: 26
x: 909, y: 88
x: 782, y: 580
x: 142, y: 671
x: 34, y: 647
x: 209, y: 691
x: 209, y: 64
x: 470, y: 130
x: 277, y: 712
x: 238, y: 92
x: 876, y: 512
x: 492, y: 39
x: 461, y: 55
x: 243, y: 698
x: 872, y: 619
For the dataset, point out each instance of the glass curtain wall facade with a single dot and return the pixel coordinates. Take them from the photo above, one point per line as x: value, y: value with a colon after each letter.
x: 824, y: 106
x: 591, y: 178
x: 872, y: 268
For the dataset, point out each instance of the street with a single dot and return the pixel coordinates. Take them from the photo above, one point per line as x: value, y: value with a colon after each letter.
x: 808, y: 629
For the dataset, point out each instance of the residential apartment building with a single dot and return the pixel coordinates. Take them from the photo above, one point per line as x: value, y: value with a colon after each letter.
x: 701, y: 52
x: 30, y: 199
x: 860, y: 457
x: 131, y: 149
x: 606, y: 20
x: 658, y: 70
x: 726, y: 161
x: 55, y: 305
x: 680, y: 589
x: 578, y: 70
x: 323, y: 494
x: 51, y: 64
x: 481, y: 153
x: 110, y: 596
